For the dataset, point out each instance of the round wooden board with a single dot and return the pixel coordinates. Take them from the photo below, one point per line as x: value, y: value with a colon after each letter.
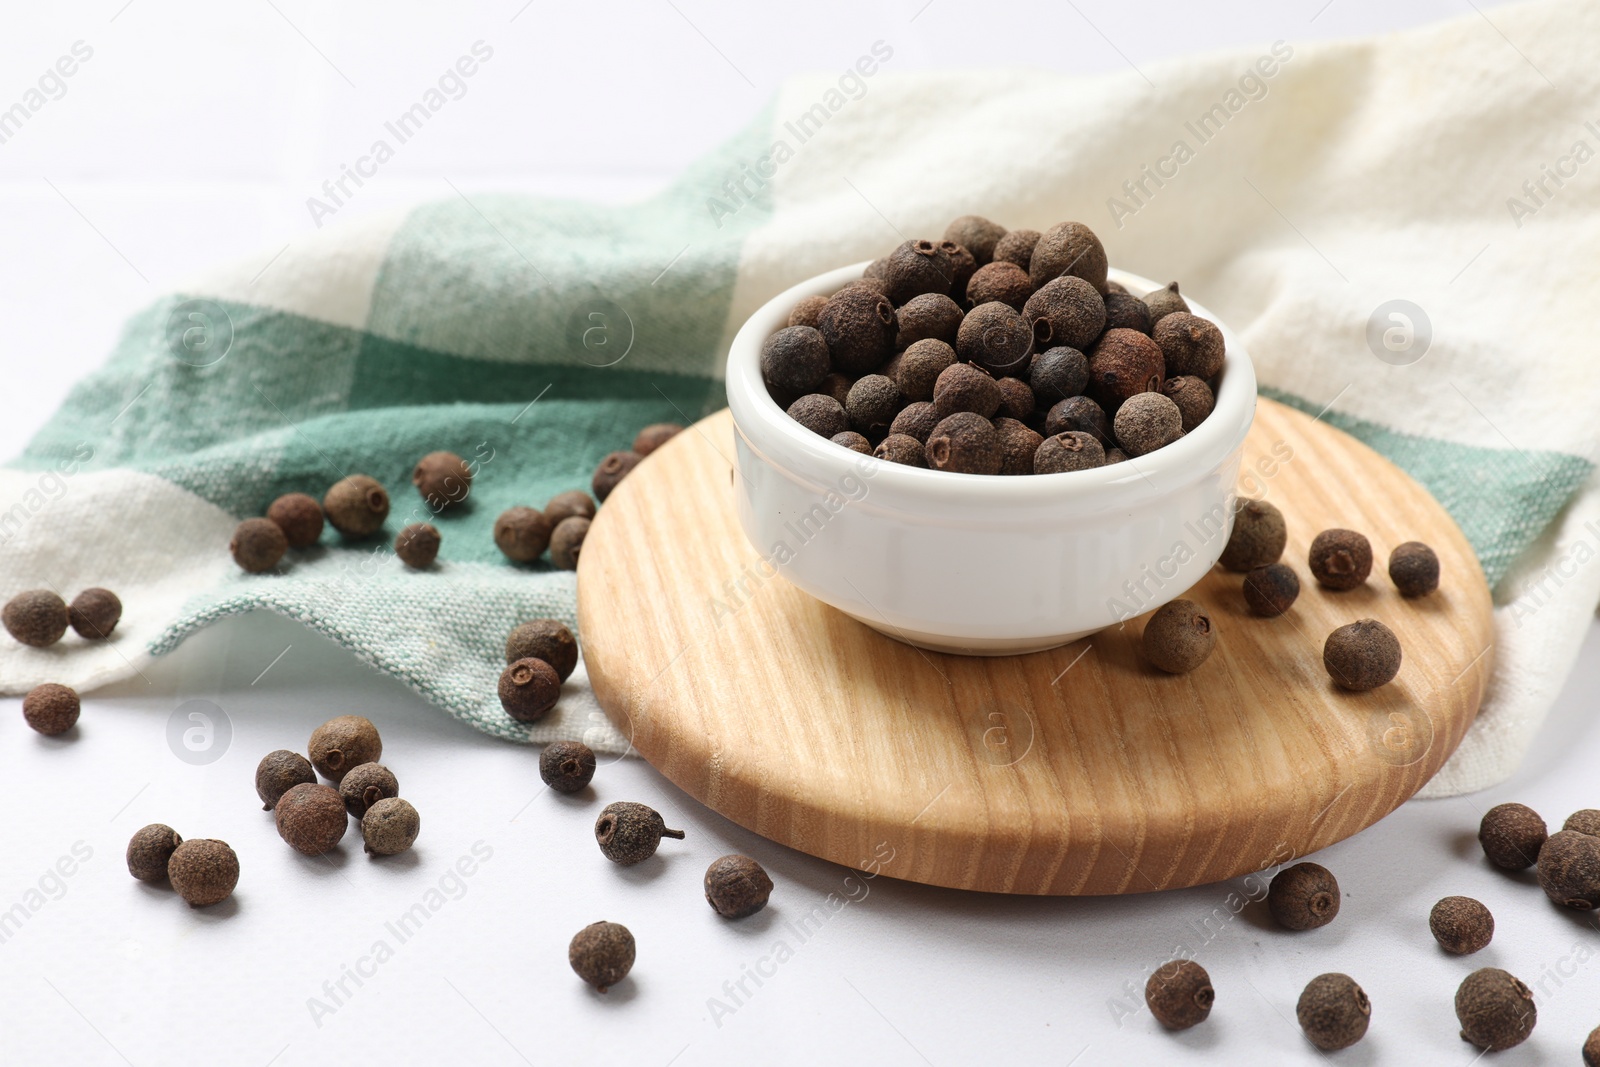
x: 1073, y: 771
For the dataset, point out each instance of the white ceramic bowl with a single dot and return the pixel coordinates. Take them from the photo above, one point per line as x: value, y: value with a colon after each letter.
x: 981, y: 564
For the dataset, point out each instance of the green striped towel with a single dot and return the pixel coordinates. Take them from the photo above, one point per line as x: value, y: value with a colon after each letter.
x: 1297, y: 190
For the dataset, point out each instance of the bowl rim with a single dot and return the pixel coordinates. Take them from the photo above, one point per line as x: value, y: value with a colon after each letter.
x: 767, y: 428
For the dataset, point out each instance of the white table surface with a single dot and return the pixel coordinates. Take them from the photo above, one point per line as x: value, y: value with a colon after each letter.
x: 194, y: 135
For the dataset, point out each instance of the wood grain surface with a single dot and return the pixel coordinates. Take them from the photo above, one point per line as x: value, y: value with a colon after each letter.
x: 1074, y: 771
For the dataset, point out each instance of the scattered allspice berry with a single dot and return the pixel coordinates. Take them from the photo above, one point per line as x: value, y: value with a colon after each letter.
x: 1146, y: 422
x: 1069, y: 450
x: 965, y: 443
x: 1569, y: 869
x: 1179, y: 994
x: 566, y: 542
x: 443, y: 478
x: 258, y: 545
x: 150, y: 849
x: 94, y: 613
x: 1495, y: 1009
x: 1303, y: 897
x: 1179, y: 637
x: 311, y: 818
x: 573, y: 502
x: 1586, y: 821
x: 417, y: 545
x: 737, y: 886
x: 1333, y: 1011
x: 390, y: 827
x: 356, y: 506
x: 1512, y: 835
x: 654, y: 436
x: 343, y: 743
x: 280, y: 771
x: 1271, y: 590
x: 1362, y: 655
x: 629, y: 833
x: 529, y: 688
x: 299, y: 516
x: 1340, y: 559
x: 1258, y: 538
x: 1414, y: 569
x: 522, y: 533
x: 51, y: 709
x: 203, y: 871
x: 365, y: 785
x: 611, y: 471
x: 546, y: 639
x: 602, y: 954
x: 566, y: 766
x: 1461, y: 925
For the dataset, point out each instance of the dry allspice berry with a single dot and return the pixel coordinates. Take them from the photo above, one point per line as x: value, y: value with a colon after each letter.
x: 737, y: 886
x: 311, y: 818
x: 1146, y: 422
x: 1362, y: 655
x: 1065, y: 311
x: 1163, y: 302
x: 629, y: 833
x: 566, y: 542
x: 1512, y: 835
x: 1333, y: 1011
x: 417, y: 545
x: 1004, y: 283
x: 365, y: 785
x: 1124, y: 363
x: 1584, y: 821
x: 1461, y: 925
x: 903, y: 449
x: 1179, y: 994
x: 1190, y: 345
x: 609, y: 474
x: 343, y: 743
x: 822, y: 415
x: 794, y: 360
x: 149, y: 851
x: 965, y: 387
x: 860, y: 327
x: 566, y: 766
x: 546, y: 639
x: 443, y: 478
x: 654, y: 436
x: 51, y: 709
x: 1070, y: 450
x: 1569, y: 869
x: 528, y: 689
x: 280, y: 771
x: 602, y: 954
x: 94, y: 613
x: 522, y: 533
x: 1591, y: 1048
x: 965, y: 443
x: 1340, y: 559
x: 203, y: 871
x: 1258, y: 538
x: 299, y: 516
x: 258, y: 545
x: 356, y: 506
x: 805, y: 313
x: 1495, y: 1009
x: 1414, y: 569
x: 1069, y: 248
x: 1303, y: 897
x: 1016, y: 247
x: 1271, y: 590
x: 929, y: 317
x: 390, y: 827
x: 976, y: 234
x: 1179, y: 637
x: 570, y: 504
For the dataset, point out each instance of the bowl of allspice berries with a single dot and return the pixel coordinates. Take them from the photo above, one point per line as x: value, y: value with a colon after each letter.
x: 971, y: 442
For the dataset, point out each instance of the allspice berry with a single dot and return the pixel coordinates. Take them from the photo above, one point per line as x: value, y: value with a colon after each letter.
x: 1362, y: 655
x: 737, y: 886
x: 1495, y: 1009
x: 1070, y: 450
x: 1069, y: 248
x: 794, y: 359
x: 872, y: 404
x: 629, y: 833
x: 546, y: 639
x: 258, y: 545
x: 566, y: 766
x: 1591, y: 1048
x: 1179, y: 994
x: 573, y: 502
x: 1004, y: 283
x: 611, y: 471
x: 529, y: 688
x: 51, y: 709
x: 1179, y: 637
x: 1340, y: 559
x: 566, y: 542
x: 805, y: 313
x: 1569, y: 869
x: 1164, y: 302
x: 958, y: 265
x: 965, y: 443
x: 997, y: 338
x: 1271, y: 590
x: 654, y: 436
x: 1127, y: 312
x: 1189, y: 344
x: 1016, y: 247
x: 1258, y: 538
x: 1016, y: 399
x: 390, y: 827
x: 820, y: 414
x: 1018, y: 446
x: 1065, y: 311
x: 1303, y: 897
x: 1058, y: 374
x: 976, y: 234
x: 1333, y: 1011
x: 150, y: 849
x: 1414, y: 569
x: 1584, y: 821
x: 280, y: 771
x: 522, y: 533
x: 914, y: 268
x: 853, y: 441
x: 902, y: 449
x: 1193, y: 396
x: 916, y: 420
x: 966, y: 387
x: 1146, y: 422
x: 94, y: 613
x: 860, y: 328
x: 602, y: 954
x: 1078, y: 413
x: 1461, y: 925
x: 203, y: 871
x: 365, y: 785
x: 919, y: 367
x: 311, y: 818
x: 417, y: 545
x: 343, y: 743
x: 356, y: 506
x: 443, y: 478
x: 1124, y: 363
x: 931, y: 316
x: 299, y: 516
x: 1511, y: 836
